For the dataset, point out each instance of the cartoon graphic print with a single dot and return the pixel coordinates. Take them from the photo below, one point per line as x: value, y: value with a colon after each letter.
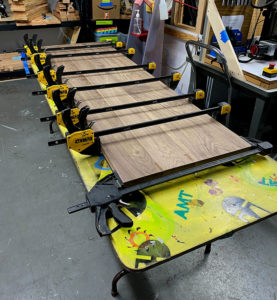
x: 233, y: 205
x: 215, y: 190
x: 271, y: 181
x: 154, y: 249
x: 186, y: 204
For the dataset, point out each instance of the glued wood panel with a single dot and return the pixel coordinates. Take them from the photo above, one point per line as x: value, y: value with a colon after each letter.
x: 149, y: 152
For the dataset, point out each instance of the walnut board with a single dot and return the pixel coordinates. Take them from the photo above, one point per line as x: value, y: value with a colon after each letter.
x: 148, y: 152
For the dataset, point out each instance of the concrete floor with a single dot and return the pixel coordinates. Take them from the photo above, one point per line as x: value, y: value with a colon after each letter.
x: 47, y: 254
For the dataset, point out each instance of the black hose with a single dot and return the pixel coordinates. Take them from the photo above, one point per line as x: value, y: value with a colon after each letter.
x: 246, y: 61
x: 262, y: 6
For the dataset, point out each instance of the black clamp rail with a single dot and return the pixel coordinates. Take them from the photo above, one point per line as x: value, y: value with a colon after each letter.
x: 94, y: 148
x: 124, y: 106
x: 110, y: 52
x: 106, y: 198
x: 88, y: 71
x: 116, y: 84
x: 31, y: 42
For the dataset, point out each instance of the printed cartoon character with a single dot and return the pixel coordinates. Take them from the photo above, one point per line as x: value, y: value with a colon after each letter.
x: 153, y: 249
x: 232, y: 205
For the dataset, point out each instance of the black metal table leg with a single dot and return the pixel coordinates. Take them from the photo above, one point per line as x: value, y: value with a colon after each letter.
x: 119, y: 275
x: 51, y: 127
x: 208, y: 248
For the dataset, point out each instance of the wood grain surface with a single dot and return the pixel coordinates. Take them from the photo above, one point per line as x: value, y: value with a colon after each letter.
x: 149, y: 152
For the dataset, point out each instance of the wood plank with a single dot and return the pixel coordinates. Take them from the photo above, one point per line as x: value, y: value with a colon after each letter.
x: 179, y: 34
x: 146, y: 153
x: 225, y: 45
x: 40, y: 20
x: 10, y: 62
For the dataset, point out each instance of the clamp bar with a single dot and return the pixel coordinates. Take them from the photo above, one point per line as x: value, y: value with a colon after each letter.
x: 78, y: 47
x: 92, y: 71
x: 105, y: 70
x: 156, y: 122
x: 89, y: 53
x: 106, y: 193
x: 98, y: 134
x: 127, y: 105
x: 124, y: 83
x: 111, y: 85
x: 137, y: 104
x: 263, y: 148
x: 70, y: 48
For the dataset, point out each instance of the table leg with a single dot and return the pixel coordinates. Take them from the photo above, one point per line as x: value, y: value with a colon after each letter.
x: 208, y: 248
x: 119, y: 275
x: 256, y: 117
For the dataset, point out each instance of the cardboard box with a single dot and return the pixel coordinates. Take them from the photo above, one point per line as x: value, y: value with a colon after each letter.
x: 105, y: 9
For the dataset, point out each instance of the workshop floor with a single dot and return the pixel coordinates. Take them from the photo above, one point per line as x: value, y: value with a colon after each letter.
x: 47, y: 254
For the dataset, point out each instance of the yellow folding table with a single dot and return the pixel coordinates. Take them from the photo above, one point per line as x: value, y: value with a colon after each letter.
x: 179, y: 216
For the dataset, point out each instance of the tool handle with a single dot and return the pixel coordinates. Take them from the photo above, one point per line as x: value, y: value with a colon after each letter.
x: 66, y: 116
x: 59, y: 74
x: 101, y: 221
x: 38, y: 62
x: 39, y: 44
x: 57, y: 99
x: 119, y: 216
x: 47, y: 75
x: 101, y: 215
x: 83, y: 117
x: 31, y: 46
x: 34, y: 39
x: 26, y: 39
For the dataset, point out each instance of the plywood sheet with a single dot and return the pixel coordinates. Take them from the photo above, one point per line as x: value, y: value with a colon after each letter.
x: 146, y: 153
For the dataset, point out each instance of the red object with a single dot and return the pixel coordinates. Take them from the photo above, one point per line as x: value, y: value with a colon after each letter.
x: 142, y: 36
x: 183, y: 3
x: 254, y: 49
x: 271, y: 65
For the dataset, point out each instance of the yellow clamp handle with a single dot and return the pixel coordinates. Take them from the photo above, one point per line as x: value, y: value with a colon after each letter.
x: 225, y: 108
x: 80, y: 140
x: 152, y: 66
x: 199, y: 95
x: 42, y: 79
x: 63, y: 91
x: 28, y: 51
x: 119, y: 45
x: 131, y: 51
x: 176, y: 77
x: 74, y: 114
x: 42, y: 57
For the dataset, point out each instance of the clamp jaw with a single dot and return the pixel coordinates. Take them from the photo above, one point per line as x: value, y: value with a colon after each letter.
x: 104, y: 199
x: 32, y: 46
x: 80, y: 137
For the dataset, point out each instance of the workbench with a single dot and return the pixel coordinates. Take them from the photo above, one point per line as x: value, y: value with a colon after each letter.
x: 180, y: 215
x: 260, y: 94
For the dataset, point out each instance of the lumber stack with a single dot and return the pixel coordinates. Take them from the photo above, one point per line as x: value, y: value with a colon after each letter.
x: 10, y: 62
x: 65, y: 11
x: 27, y: 10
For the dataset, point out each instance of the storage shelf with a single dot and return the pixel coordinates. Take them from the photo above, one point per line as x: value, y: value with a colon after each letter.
x: 12, y: 25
